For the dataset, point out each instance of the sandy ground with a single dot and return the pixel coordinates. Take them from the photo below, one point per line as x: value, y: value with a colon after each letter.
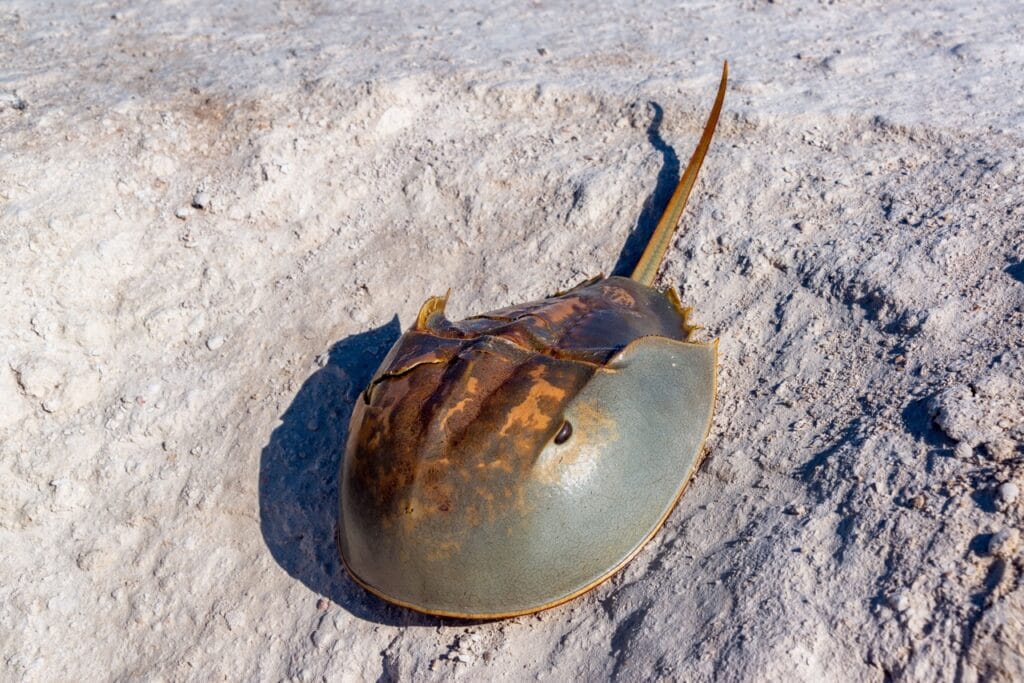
x: 215, y: 220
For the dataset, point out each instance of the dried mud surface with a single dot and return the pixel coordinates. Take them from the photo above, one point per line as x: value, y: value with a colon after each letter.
x: 214, y: 220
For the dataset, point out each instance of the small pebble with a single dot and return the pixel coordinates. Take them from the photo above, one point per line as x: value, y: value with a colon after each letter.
x: 13, y: 101
x: 52, y: 405
x: 1003, y: 543
x: 917, y: 502
x: 201, y: 200
x: 89, y: 560
x: 182, y: 212
x: 900, y: 602
x: 963, y: 450
x: 795, y: 509
x: 1000, y: 449
x: 235, y: 619
x: 1008, y: 493
x: 322, y: 604
x: 214, y: 343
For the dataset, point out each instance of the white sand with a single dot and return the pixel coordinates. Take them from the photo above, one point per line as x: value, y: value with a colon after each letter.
x: 175, y: 382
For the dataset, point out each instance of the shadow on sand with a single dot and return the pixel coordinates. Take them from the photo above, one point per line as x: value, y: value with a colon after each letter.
x: 298, y: 484
x: 668, y: 177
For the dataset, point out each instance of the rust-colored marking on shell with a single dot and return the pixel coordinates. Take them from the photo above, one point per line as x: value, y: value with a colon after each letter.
x: 434, y: 407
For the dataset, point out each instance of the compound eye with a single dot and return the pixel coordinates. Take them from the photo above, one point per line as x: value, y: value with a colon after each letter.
x: 564, y: 433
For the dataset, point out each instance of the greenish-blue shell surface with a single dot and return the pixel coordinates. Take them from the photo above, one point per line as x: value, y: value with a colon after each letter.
x: 456, y: 497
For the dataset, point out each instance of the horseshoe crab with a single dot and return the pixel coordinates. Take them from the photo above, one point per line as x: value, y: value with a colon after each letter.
x: 509, y: 462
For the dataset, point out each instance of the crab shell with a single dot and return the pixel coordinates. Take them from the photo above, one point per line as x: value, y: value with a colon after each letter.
x: 457, y: 499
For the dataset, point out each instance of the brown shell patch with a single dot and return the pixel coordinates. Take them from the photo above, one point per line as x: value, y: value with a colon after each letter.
x: 454, y: 422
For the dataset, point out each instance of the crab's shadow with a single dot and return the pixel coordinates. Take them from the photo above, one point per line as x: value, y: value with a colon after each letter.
x: 298, y: 484
x: 665, y: 185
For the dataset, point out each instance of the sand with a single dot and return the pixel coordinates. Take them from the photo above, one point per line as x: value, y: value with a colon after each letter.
x: 214, y: 220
